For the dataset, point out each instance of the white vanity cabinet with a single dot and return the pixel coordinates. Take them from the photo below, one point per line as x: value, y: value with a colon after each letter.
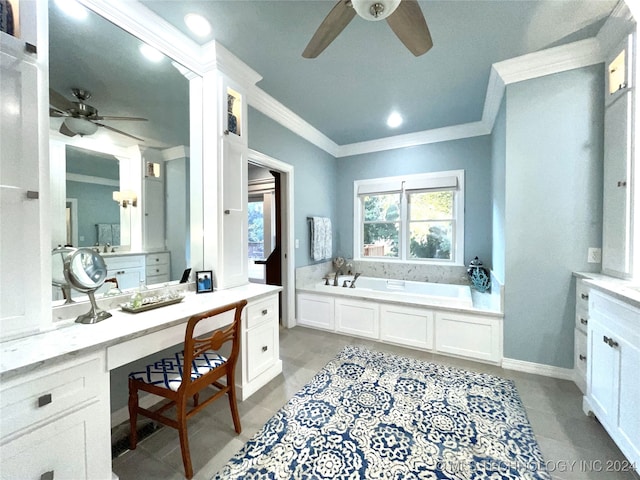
x: 613, y: 378
x: 53, y: 422
x: 128, y: 270
x: 23, y: 189
x: 260, y: 348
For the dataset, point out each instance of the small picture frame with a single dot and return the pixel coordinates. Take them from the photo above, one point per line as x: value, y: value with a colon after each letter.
x: 204, y: 281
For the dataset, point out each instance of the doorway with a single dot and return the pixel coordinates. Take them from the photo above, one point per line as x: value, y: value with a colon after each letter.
x: 271, y: 257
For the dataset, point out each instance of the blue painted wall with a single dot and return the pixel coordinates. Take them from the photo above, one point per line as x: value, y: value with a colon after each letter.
x: 553, y: 208
x: 314, y: 176
x: 473, y: 155
x: 498, y: 171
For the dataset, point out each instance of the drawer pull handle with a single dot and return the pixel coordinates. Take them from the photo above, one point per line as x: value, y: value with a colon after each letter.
x: 582, y: 357
x: 44, y: 400
x: 265, y: 348
x: 610, y: 341
x: 584, y: 321
x: 584, y: 296
x: 47, y: 475
x: 265, y: 311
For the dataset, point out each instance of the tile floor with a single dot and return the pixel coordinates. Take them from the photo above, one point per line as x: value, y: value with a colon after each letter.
x: 575, y: 446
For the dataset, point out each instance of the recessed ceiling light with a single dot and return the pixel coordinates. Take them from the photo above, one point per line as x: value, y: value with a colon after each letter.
x: 151, y: 53
x: 394, y: 120
x: 73, y: 9
x: 198, y: 24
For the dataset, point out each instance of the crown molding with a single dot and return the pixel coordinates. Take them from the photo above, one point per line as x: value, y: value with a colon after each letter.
x: 444, y: 134
x: 620, y: 23
x: 552, y: 60
x: 230, y: 65
x: 152, y: 29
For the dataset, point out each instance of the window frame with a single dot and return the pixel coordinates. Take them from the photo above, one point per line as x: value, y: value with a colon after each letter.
x: 405, y: 185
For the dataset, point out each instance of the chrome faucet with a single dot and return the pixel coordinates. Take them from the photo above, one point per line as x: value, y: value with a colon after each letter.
x: 353, y: 282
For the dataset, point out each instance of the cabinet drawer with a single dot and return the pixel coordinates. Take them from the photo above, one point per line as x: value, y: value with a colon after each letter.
x: 582, y: 319
x: 262, y: 311
x: 261, y: 349
x: 157, y: 279
x: 159, y: 269
x: 580, y: 361
x: 124, y: 262
x: 72, y: 447
x: 158, y: 259
x: 582, y: 295
x: 48, y: 393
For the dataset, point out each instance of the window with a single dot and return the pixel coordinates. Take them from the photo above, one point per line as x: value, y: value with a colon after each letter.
x: 414, y: 218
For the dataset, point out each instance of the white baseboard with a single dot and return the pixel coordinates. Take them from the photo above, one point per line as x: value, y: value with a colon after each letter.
x: 538, y: 369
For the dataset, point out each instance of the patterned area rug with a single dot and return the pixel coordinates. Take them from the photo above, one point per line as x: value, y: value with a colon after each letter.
x: 373, y: 415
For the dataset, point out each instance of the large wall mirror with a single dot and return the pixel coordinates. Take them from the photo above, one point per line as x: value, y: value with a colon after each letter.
x: 119, y: 140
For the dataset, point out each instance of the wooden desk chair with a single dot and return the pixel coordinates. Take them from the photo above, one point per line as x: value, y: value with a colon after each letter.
x: 165, y: 378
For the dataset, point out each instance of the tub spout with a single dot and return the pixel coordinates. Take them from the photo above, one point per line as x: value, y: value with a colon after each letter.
x: 335, y: 279
x: 353, y: 282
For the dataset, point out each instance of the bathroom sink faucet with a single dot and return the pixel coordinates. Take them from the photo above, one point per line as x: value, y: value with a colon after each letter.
x: 353, y: 282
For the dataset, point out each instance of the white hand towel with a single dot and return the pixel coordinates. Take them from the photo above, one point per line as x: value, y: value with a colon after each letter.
x: 327, y: 247
x: 317, y: 238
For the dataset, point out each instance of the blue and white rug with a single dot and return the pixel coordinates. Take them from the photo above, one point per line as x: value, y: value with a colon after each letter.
x: 373, y: 415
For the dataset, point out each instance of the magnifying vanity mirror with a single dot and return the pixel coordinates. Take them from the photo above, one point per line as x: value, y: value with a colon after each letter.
x: 121, y: 187
x: 58, y: 278
x: 85, y: 271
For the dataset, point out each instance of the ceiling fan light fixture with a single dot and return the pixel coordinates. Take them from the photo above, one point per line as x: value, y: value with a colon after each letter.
x: 375, y: 10
x: 81, y: 126
x: 199, y: 25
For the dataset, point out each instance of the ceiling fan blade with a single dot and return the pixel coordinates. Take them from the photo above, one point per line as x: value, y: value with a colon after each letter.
x: 118, y: 131
x: 58, y: 101
x: 109, y: 117
x: 55, y: 112
x: 339, y: 17
x: 409, y: 25
x: 66, y: 130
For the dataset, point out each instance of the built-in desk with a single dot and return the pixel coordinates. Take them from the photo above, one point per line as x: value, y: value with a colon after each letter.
x: 54, y: 386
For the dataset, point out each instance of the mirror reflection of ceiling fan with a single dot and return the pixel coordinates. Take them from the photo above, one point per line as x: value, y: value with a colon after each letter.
x: 403, y: 16
x: 80, y: 118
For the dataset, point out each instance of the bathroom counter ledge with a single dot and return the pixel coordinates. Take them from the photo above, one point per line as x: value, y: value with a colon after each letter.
x: 627, y: 291
x: 29, y: 353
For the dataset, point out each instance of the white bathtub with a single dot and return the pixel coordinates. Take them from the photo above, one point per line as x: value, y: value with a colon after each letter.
x: 422, y: 293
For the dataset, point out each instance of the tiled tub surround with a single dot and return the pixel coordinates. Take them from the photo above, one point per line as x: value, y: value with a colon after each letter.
x: 426, y: 323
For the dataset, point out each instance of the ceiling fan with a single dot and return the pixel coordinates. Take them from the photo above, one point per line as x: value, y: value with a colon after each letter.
x: 403, y: 16
x: 80, y: 118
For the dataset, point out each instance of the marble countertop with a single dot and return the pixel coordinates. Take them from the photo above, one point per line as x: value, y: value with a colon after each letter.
x: 627, y: 291
x: 483, y: 303
x: 27, y: 353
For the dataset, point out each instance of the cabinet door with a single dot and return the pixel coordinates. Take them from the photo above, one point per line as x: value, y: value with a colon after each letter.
x: 234, y: 246
x: 617, y: 205
x: 603, y: 365
x: 629, y: 394
x: 315, y: 311
x: 406, y: 326
x: 21, y: 249
x: 154, y: 236
x: 357, y: 318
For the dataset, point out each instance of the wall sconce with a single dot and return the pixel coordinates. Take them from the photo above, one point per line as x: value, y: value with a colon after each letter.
x: 126, y: 198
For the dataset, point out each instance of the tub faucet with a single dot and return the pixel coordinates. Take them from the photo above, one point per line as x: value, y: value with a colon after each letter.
x: 335, y: 279
x: 353, y: 282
